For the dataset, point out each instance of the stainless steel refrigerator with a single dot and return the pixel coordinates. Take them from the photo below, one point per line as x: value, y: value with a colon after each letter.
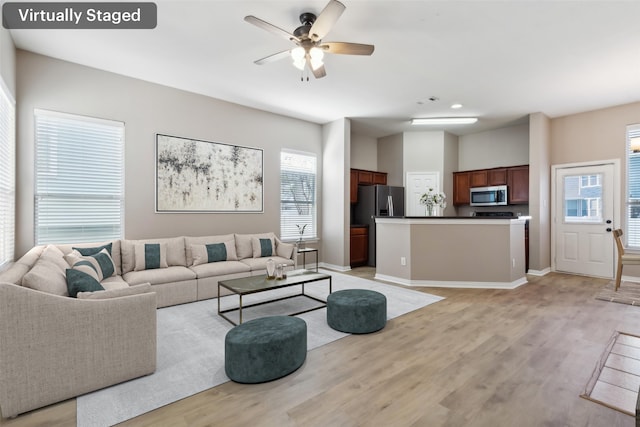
x: 373, y: 201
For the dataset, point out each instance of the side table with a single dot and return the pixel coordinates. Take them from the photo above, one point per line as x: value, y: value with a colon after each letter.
x: 304, y: 252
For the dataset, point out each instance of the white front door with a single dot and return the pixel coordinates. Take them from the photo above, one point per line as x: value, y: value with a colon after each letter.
x: 584, y: 214
x: 419, y: 183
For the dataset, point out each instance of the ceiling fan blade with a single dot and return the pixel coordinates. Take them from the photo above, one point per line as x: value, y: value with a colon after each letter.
x: 319, y: 72
x: 271, y: 28
x: 324, y: 22
x: 347, y: 48
x: 274, y: 57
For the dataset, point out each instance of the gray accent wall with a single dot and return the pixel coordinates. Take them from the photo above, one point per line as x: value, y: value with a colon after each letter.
x: 146, y: 109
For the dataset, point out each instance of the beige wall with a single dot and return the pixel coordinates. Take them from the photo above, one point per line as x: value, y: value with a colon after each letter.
x: 364, y: 152
x: 539, y: 193
x: 459, y: 252
x: 147, y: 109
x: 507, y: 146
x: 8, y: 60
x: 390, y: 158
x: 336, y: 153
x: 593, y: 136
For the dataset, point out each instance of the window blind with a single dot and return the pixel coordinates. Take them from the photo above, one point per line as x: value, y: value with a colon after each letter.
x: 297, y: 195
x: 633, y: 190
x: 79, y: 191
x: 7, y: 175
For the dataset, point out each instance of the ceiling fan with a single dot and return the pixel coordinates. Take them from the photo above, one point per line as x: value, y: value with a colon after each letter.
x: 308, y: 37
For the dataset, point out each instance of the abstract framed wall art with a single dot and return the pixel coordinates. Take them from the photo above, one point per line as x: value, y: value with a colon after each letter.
x: 202, y: 176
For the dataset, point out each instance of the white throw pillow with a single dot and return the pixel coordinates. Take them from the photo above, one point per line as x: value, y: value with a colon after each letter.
x: 263, y: 246
x: 150, y: 255
x: 99, y: 266
x: 213, y: 252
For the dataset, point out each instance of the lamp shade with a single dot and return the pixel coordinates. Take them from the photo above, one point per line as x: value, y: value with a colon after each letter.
x: 634, y: 144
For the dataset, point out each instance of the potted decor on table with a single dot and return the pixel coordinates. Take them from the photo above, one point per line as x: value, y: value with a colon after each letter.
x: 301, y: 229
x: 432, y: 200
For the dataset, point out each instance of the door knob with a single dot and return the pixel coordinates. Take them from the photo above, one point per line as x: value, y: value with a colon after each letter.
x: 608, y: 230
x: 608, y: 221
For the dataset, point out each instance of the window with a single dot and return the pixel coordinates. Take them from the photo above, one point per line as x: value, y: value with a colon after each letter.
x: 79, y: 191
x: 583, y: 196
x: 7, y: 175
x: 297, y: 195
x: 633, y: 186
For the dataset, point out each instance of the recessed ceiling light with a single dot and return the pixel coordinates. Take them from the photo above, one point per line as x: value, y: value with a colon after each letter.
x: 444, y: 121
x: 456, y: 106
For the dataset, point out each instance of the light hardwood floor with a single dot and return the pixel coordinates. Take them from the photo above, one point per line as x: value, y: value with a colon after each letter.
x: 478, y: 358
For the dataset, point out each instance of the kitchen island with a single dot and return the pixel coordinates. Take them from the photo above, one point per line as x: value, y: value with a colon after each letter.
x: 462, y: 252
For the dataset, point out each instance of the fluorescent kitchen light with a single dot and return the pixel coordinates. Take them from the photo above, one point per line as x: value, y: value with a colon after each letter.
x: 444, y: 121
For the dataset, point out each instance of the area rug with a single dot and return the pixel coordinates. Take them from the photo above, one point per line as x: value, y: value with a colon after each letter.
x: 628, y: 293
x: 191, y: 347
x: 616, y: 376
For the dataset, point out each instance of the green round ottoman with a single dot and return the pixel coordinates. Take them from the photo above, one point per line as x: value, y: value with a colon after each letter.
x: 357, y: 311
x: 265, y: 349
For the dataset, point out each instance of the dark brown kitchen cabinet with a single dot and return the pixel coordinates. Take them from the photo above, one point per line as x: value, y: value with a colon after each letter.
x: 379, y: 178
x: 515, y: 177
x: 497, y: 176
x: 478, y: 178
x: 461, y: 185
x: 354, y: 185
x: 359, y: 246
x: 518, y: 182
x: 364, y: 177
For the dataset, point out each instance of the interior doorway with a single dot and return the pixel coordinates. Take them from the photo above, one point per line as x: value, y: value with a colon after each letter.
x: 419, y: 183
x: 585, y: 206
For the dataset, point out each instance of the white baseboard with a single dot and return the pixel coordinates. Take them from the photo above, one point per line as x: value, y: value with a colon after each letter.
x: 341, y: 268
x: 629, y: 279
x: 453, y: 284
x: 539, y: 272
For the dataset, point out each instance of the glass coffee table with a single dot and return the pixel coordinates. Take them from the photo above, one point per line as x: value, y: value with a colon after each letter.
x: 255, y: 284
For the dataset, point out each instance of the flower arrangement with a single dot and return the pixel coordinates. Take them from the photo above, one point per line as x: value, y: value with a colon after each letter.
x: 431, y: 199
x: 301, y: 231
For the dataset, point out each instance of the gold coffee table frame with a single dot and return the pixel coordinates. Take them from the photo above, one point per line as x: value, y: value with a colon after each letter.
x: 255, y: 284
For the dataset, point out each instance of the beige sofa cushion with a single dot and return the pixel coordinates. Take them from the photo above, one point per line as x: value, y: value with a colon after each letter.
x: 261, y: 263
x: 14, y: 273
x: 285, y: 250
x: 114, y: 282
x: 54, y: 255
x: 205, y: 240
x: 47, y: 277
x: 176, y: 254
x: 219, y: 268
x: 159, y: 276
x: 244, y: 244
x: 115, y: 293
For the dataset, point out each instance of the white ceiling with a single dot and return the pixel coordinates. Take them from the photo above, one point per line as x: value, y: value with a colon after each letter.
x: 501, y: 59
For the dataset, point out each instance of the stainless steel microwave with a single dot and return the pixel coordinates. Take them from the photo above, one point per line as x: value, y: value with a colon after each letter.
x: 488, y: 196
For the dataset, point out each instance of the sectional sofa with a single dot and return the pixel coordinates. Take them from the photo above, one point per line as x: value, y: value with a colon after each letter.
x: 56, y: 346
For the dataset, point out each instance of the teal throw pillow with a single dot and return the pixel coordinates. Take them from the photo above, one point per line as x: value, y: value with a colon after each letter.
x: 266, y: 248
x: 216, y: 252
x: 78, y: 281
x: 93, y: 251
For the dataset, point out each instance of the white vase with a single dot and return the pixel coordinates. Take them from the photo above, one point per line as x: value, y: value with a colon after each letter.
x: 430, y: 210
x: 271, y: 268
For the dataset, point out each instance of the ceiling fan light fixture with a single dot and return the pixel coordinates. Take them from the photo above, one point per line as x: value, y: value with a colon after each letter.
x: 316, y: 55
x: 298, y: 55
x: 444, y: 121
